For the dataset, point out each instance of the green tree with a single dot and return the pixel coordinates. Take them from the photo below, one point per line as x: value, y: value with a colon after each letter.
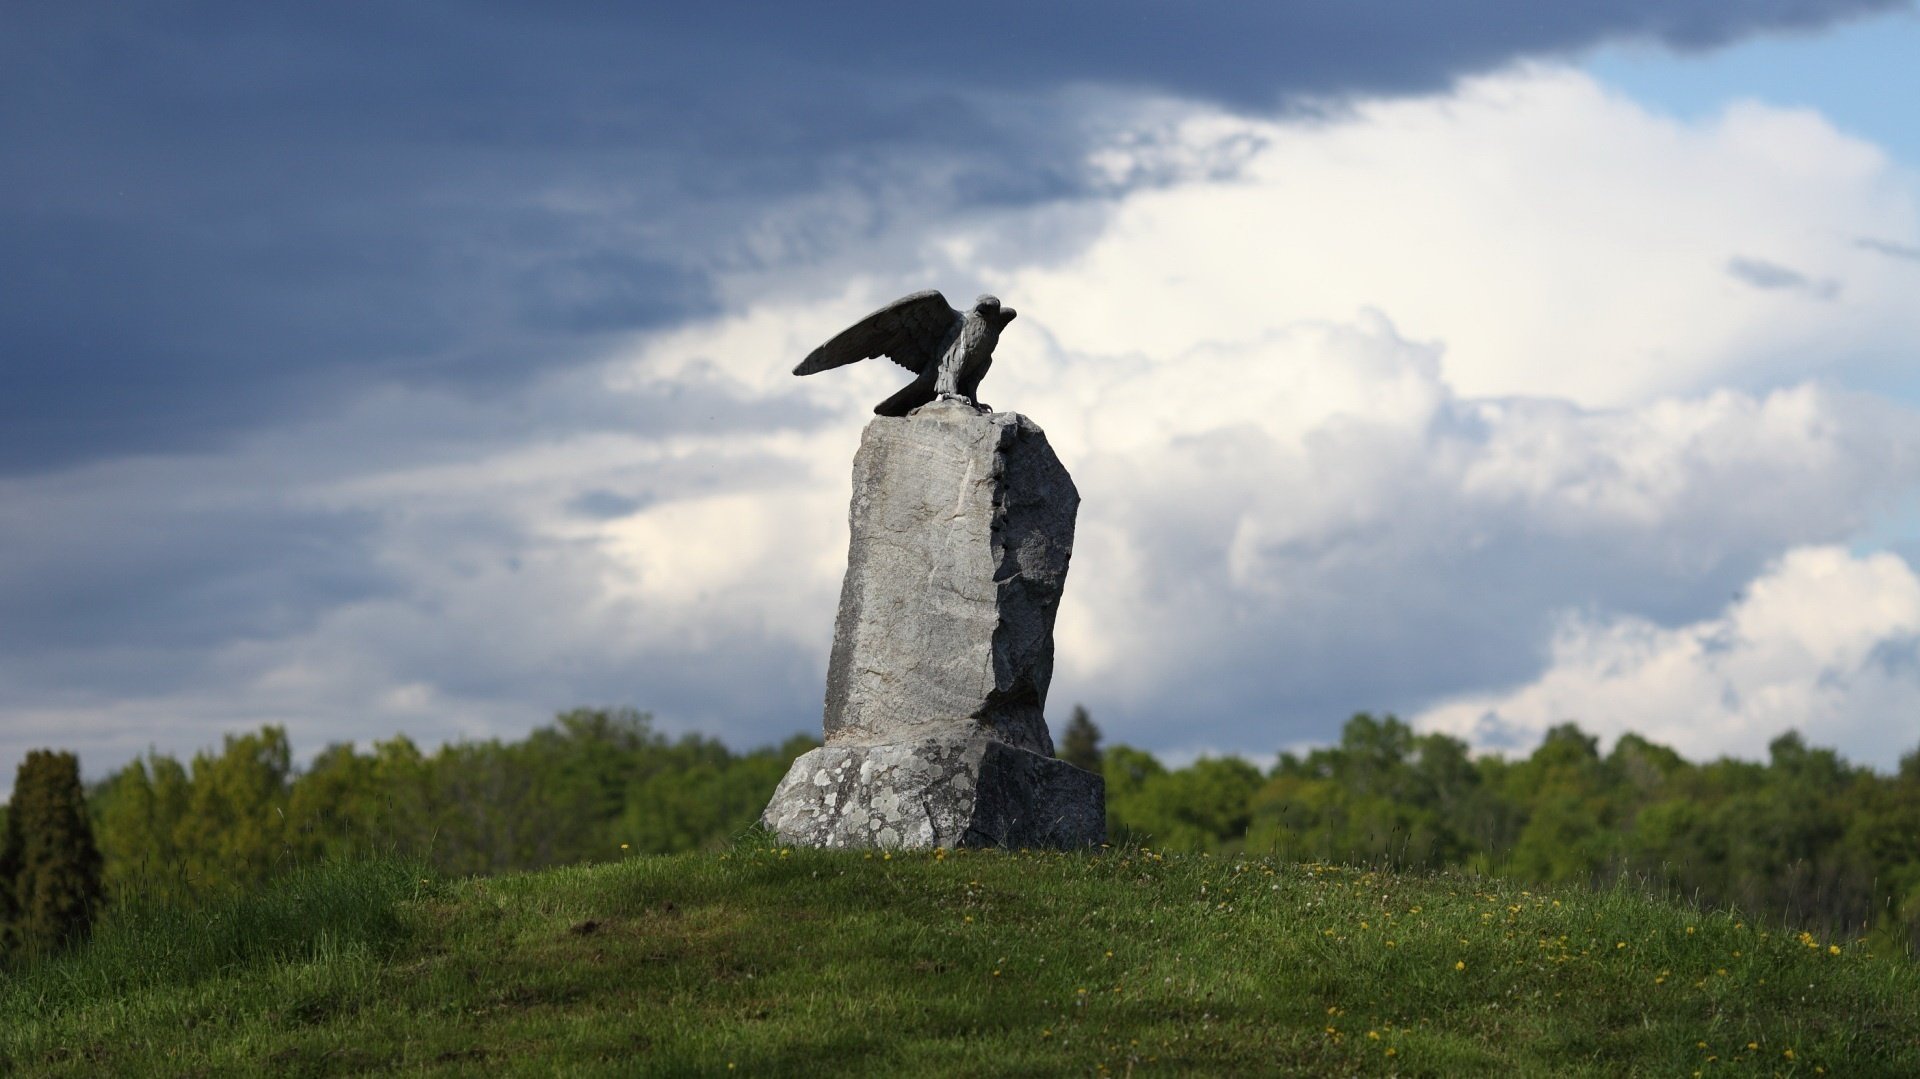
x: 1200, y: 807
x: 1080, y: 745
x: 1384, y: 794
x: 702, y: 796
x: 140, y: 810
x: 234, y: 831
x: 49, y: 866
x: 1564, y: 790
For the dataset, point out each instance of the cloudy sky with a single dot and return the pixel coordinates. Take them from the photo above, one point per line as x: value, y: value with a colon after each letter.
x: 424, y: 368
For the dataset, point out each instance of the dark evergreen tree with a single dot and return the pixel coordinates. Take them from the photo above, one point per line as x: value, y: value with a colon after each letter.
x: 9, y: 874
x: 49, y: 866
x: 1080, y: 746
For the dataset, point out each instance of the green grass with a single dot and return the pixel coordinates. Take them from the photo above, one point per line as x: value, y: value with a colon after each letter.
x: 767, y: 962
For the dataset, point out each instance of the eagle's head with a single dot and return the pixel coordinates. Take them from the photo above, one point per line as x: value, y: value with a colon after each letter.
x: 990, y: 309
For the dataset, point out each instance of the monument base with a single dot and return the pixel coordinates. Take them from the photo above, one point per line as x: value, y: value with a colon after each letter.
x: 957, y: 791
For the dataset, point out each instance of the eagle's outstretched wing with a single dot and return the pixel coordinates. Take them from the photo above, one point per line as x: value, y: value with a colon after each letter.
x: 910, y: 331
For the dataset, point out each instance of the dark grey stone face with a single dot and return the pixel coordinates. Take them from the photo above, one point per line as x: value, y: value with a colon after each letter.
x: 962, y: 528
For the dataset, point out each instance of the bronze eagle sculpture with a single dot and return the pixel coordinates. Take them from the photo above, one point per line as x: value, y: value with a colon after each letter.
x: 948, y: 350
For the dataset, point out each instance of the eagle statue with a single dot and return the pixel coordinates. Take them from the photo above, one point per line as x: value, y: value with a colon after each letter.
x: 949, y: 351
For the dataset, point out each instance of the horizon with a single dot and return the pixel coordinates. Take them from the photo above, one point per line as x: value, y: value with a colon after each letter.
x: 1265, y: 763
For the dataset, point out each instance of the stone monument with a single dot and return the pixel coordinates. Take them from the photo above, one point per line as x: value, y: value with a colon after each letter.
x: 962, y: 526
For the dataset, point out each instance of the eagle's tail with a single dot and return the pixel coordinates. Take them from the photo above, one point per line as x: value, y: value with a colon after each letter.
x: 911, y: 396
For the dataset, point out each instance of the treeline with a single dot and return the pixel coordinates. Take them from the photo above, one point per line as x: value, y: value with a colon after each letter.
x: 1804, y: 837
x: 594, y: 784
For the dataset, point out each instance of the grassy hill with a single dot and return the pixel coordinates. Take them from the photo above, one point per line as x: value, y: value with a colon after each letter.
x: 765, y: 961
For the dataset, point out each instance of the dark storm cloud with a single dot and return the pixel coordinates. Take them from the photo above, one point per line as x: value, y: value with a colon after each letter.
x: 1253, y: 55
x: 601, y: 504
x: 216, y: 215
x: 1768, y: 275
x: 1887, y: 247
x: 128, y: 578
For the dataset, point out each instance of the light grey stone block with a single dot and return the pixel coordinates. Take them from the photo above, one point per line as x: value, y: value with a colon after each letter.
x: 962, y: 526
x: 936, y: 736
x: 953, y: 791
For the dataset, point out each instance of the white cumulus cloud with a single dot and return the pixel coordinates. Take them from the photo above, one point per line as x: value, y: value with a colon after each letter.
x: 1559, y: 239
x: 1825, y: 642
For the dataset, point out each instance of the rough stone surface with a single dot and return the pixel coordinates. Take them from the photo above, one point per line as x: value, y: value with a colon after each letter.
x: 962, y: 526
x: 957, y: 790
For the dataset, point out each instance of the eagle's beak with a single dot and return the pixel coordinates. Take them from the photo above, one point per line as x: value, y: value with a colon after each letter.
x: 1007, y: 314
